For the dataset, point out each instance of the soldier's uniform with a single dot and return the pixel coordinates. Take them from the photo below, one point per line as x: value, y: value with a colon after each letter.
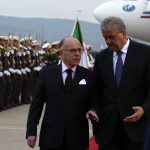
x: 35, y: 66
x: 1, y: 80
x: 51, y: 57
x: 14, y: 46
x: 7, y: 75
x: 26, y: 86
x: 19, y: 76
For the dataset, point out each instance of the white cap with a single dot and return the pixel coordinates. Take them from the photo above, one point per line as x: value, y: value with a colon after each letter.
x: 56, y: 43
x: 46, y: 45
x: 16, y: 38
x: 34, y: 43
x: 4, y: 37
x: 25, y: 38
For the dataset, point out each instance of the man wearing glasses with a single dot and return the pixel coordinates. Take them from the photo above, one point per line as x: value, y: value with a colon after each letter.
x: 65, y: 89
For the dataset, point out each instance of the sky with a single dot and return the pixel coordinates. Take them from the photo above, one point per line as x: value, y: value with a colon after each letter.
x: 68, y: 9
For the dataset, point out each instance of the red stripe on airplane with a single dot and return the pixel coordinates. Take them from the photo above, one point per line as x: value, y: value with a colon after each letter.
x: 145, y: 17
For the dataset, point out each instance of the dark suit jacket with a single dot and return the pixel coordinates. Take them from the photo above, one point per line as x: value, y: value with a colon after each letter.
x: 65, y: 114
x: 134, y: 91
x: 147, y: 140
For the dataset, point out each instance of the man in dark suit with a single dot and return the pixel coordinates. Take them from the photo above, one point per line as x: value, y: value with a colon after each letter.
x: 122, y: 90
x: 67, y: 99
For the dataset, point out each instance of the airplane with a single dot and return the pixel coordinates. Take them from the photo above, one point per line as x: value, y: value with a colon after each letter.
x: 135, y: 13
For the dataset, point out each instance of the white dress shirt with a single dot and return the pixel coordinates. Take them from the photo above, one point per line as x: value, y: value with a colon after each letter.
x: 123, y: 56
x: 64, y: 73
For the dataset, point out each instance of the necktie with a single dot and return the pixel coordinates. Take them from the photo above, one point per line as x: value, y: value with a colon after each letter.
x: 68, y: 81
x: 119, y: 66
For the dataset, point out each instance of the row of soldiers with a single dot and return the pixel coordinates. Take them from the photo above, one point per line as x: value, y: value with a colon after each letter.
x: 20, y: 64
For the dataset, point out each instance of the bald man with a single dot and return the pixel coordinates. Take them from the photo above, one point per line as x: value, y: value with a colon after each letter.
x: 65, y: 89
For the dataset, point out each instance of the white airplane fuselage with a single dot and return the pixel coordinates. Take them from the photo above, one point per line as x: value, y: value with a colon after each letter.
x: 135, y: 13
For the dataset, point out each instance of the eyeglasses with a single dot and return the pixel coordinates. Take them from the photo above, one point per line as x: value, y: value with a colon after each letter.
x: 74, y: 50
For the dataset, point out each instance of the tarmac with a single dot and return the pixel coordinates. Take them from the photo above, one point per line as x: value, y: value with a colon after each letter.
x: 13, y: 129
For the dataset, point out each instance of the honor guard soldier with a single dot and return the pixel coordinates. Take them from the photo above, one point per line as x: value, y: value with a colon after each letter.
x: 19, y: 72
x: 7, y: 74
x: 25, y: 94
x: 35, y: 66
x: 51, y: 54
x: 1, y: 78
x: 13, y: 44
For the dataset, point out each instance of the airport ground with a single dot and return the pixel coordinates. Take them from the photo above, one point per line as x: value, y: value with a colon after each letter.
x: 13, y: 128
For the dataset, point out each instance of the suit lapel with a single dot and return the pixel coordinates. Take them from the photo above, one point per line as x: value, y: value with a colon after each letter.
x: 59, y: 76
x: 76, y: 79
x: 128, y: 61
x: 77, y: 76
x: 110, y: 68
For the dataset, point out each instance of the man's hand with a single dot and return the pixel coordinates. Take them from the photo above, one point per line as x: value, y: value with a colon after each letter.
x: 31, y: 140
x: 138, y: 113
x: 92, y: 115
